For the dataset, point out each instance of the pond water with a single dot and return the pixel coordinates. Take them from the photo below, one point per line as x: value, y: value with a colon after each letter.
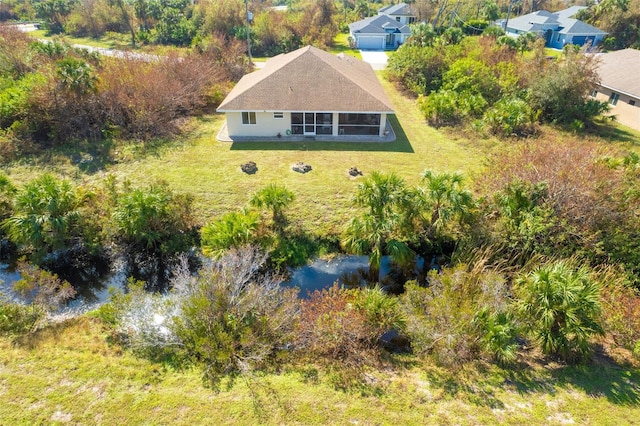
x: 322, y: 274
x: 93, y: 286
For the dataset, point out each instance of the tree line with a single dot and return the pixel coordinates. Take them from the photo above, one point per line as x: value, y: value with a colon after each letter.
x: 52, y: 93
x: 185, y: 23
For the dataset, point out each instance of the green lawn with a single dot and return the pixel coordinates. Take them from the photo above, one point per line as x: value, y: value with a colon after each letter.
x: 67, y: 374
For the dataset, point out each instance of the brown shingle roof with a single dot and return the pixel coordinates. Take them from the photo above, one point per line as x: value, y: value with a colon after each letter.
x: 309, y: 79
x: 618, y: 70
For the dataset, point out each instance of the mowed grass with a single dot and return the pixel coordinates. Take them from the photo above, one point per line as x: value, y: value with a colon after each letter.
x: 68, y: 374
x: 210, y: 170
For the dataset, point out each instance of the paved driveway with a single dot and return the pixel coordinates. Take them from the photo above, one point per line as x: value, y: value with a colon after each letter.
x: 377, y: 59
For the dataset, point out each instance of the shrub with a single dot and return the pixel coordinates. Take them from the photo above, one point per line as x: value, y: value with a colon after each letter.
x: 232, y: 230
x: 45, y: 216
x: 332, y: 328
x: 561, y: 91
x: 561, y: 306
x: 233, y: 318
x: 510, y: 116
x: 443, y: 319
x: 418, y: 69
x: 621, y: 313
x: 440, y: 108
x: 448, y: 107
x: 42, y: 288
x: 17, y: 319
x: 154, y: 220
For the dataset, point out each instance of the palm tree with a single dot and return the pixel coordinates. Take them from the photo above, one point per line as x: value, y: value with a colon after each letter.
x: 76, y: 76
x: 561, y: 306
x: 45, y: 210
x: 383, y: 227
x: 154, y: 220
x: 444, y: 200
x: 276, y: 198
x: 232, y: 230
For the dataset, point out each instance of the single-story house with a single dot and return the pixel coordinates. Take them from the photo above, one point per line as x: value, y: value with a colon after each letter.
x: 309, y: 93
x: 558, y: 28
x: 386, y: 31
x: 401, y: 12
x: 620, y: 85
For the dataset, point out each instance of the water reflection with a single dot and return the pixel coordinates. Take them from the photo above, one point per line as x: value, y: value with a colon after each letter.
x: 348, y: 271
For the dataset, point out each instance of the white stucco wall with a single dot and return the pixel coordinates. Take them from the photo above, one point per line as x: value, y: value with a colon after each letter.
x: 265, y: 125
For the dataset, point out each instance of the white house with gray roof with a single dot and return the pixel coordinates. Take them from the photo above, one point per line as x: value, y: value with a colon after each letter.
x: 401, y: 12
x: 308, y: 93
x: 386, y: 31
x: 557, y: 28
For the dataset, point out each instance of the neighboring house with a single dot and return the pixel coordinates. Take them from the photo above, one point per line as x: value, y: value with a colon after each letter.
x: 386, y: 31
x: 308, y: 93
x: 401, y: 12
x: 558, y: 29
x: 620, y: 85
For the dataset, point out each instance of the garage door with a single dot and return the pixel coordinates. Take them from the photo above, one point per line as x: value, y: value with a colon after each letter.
x: 582, y: 40
x: 370, y: 42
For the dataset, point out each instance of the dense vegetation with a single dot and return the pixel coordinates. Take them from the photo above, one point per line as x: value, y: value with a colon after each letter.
x: 490, y: 83
x: 538, y: 257
x: 186, y: 23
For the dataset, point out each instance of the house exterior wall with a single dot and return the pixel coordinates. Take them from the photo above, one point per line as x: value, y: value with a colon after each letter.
x: 403, y: 19
x: 268, y: 126
x: 626, y: 114
x: 558, y: 41
x: 265, y: 125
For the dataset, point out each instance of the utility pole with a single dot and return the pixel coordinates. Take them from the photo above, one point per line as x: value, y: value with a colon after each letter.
x: 506, y: 22
x: 246, y: 10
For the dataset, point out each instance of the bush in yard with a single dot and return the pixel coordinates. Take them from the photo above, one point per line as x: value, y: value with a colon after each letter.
x: 233, y: 318
x: 620, y: 309
x: 510, y: 116
x: 561, y: 91
x: 17, y: 319
x: 44, y: 292
x: 343, y: 326
x: 45, y: 216
x: 232, y: 230
x: 418, y: 69
x: 560, y: 305
x: 154, y: 220
x: 460, y: 314
x: 448, y: 107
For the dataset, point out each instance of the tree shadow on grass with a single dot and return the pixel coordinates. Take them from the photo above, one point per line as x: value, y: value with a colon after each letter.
x: 401, y: 144
x: 616, y: 133
x: 477, y: 386
x: 620, y: 385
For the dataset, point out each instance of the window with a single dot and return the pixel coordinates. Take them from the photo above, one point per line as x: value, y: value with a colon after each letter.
x: 411, y: 20
x: 398, y: 18
x: 248, y: 118
x: 358, y: 124
x: 594, y: 93
x: 613, y: 99
x: 632, y: 102
x: 278, y: 115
